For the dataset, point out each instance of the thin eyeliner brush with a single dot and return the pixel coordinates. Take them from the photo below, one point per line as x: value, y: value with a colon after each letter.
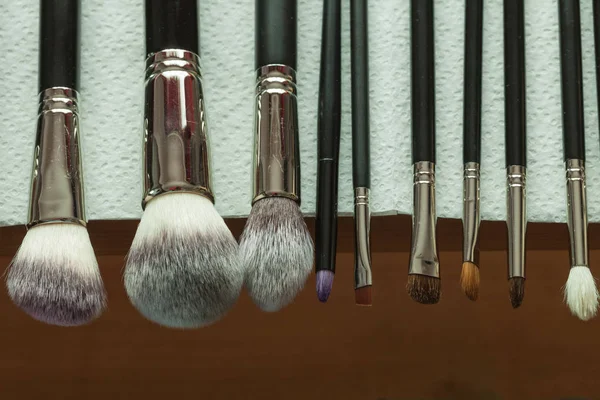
x: 361, y: 169
x: 469, y: 277
x: 424, y: 284
x: 580, y: 292
x: 516, y: 145
x: 330, y: 93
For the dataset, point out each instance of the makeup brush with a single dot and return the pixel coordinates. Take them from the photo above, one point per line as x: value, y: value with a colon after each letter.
x: 516, y: 145
x: 328, y: 147
x: 54, y: 276
x: 183, y: 268
x: 276, y: 248
x: 360, y: 150
x: 424, y: 284
x: 581, y: 294
x: 469, y: 276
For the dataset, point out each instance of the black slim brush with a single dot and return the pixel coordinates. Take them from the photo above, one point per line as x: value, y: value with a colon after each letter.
x: 516, y: 145
x: 361, y: 168
x: 276, y: 247
x: 580, y: 292
x: 330, y: 93
x: 424, y: 284
x: 54, y: 276
x: 469, y: 277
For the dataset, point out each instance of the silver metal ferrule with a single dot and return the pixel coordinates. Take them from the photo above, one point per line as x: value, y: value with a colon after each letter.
x: 577, y: 212
x: 176, y: 151
x: 471, y: 212
x: 276, y: 152
x: 57, y: 179
x: 423, y: 253
x: 362, y: 233
x: 516, y: 219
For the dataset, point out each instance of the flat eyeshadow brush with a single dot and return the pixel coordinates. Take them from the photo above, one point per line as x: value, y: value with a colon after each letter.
x: 580, y: 292
x: 54, y: 276
x: 424, y: 284
x: 469, y: 277
x: 516, y: 145
x: 330, y: 98
x: 183, y: 268
x: 275, y: 246
x: 361, y: 176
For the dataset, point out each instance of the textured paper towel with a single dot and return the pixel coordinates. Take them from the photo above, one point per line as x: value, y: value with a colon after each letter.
x: 112, y: 83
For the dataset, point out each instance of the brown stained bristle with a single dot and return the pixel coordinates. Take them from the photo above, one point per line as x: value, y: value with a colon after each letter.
x: 516, y: 288
x: 362, y: 296
x: 469, y: 280
x: 424, y: 289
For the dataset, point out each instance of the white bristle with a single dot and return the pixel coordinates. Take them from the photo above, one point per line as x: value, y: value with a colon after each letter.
x: 277, y: 251
x: 54, y: 276
x: 581, y: 294
x: 183, y: 268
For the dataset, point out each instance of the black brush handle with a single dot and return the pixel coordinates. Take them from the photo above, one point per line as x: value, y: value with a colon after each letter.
x: 423, y: 81
x: 330, y: 92
x: 472, y: 81
x: 276, y: 32
x: 361, y: 163
x: 571, y: 78
x: 514, y: 83
x: 59, y: 43
x: 172, y: 24
x: 597, y: 48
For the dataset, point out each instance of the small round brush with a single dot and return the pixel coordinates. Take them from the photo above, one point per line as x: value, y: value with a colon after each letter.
x: 183, y: 268
x: 424, y: 284
x: 580, y: 292
x: 516, y: 145
x: 469, y: 276
x: 275, y: 247
x: 54, y: 276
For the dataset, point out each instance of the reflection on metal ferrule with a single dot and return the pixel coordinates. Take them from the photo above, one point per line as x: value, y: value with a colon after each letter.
x: 577, y: 219
x: 276, y: 152
x: 362, y: 242
x: 57, y: 181
x: 176, y: 153
x: 516, y: 219
x: 471, y: 212
x: 423, y: 254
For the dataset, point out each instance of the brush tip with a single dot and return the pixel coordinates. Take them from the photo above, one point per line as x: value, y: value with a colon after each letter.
x: 324, y: 284
x: 469, y: 280
x: 362, y: 296
x: 54, y: 276
x: 277, y: 251
x: 581, y: 293
x: 183, y: 268
x: 516, y: 291
x: 424, y: 289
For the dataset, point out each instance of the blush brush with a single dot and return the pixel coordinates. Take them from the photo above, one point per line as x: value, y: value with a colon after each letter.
x: 424, y: 284
x: 469, y: 277
x: 330, y: 98
x: 275, y: 246
x: 361, y: 176
x: 580, y: 292
x: 183, y: 268
x: 516, y: 145
x: 54, y: 276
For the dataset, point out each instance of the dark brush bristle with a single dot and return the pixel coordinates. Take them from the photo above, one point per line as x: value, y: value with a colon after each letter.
x: 362, y: 296
x: 516, y: 288
x: 424, y: 289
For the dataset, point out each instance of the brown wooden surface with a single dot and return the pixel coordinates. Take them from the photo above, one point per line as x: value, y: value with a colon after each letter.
x: 395, y: 350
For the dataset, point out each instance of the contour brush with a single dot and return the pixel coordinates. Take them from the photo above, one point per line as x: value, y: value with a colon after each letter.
x: 469, y: 277
x: 183, y: 268
x: 54, y: 276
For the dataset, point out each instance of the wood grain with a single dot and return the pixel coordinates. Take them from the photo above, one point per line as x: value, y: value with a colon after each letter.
x: 395, y: 350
